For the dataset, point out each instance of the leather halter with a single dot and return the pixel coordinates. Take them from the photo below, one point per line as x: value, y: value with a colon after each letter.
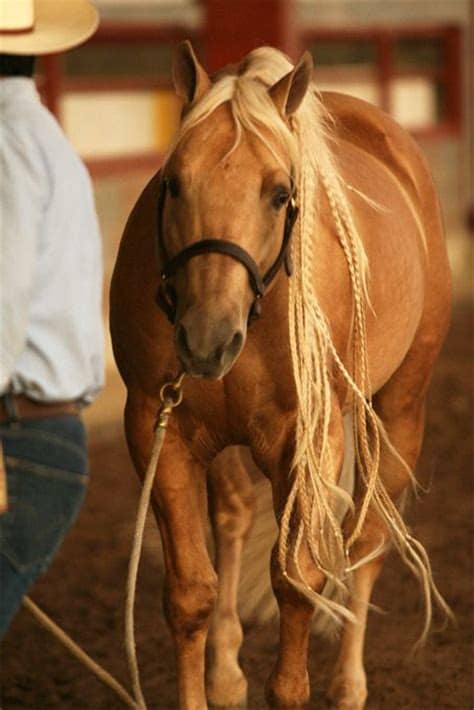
x: 166, y: 298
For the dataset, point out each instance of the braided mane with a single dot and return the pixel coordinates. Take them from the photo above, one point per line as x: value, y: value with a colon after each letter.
x: 308, y: 517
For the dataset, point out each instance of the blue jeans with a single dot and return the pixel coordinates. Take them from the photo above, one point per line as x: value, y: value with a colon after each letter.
x: 46, y: 464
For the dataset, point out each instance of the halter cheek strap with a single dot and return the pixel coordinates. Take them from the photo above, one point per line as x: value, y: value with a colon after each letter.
x: 166, y: 297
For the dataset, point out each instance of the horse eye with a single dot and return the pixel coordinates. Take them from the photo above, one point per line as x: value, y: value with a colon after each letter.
x: 280, y: 197
x: 172, y: 184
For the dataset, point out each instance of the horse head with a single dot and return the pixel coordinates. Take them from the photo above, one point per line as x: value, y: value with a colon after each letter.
x: 226, y: 206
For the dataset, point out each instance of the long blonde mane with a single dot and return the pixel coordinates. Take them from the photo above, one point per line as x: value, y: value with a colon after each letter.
x: 308, y: 517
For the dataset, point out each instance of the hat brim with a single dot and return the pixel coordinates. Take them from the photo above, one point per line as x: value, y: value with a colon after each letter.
x: 59, y: 25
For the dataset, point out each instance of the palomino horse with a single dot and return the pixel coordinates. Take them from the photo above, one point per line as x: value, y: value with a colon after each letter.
x: 355, y: 330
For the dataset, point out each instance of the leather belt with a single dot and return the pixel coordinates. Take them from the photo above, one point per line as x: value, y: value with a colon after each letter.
x: 15, y: 407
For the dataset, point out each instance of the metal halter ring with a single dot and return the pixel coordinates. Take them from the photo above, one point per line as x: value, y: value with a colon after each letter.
x: 171, y: 393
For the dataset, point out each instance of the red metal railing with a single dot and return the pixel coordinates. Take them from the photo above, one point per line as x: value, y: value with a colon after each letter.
x: 384, y: 40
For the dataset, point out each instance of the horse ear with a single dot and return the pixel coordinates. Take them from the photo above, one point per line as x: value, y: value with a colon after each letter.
x: 288, y: 93
x: 189, y: 78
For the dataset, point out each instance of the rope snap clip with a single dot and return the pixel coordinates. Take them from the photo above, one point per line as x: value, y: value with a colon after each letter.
x: 171, y: 395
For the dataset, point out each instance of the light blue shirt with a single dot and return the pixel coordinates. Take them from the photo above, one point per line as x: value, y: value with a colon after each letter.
x: 51, y: 340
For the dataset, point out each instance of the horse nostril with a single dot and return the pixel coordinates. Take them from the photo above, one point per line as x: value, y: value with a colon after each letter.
x: 230, y: 348
x: 182, y: 341
x: 205, y: 351
x: 218, y: 353
x: 236, y: 343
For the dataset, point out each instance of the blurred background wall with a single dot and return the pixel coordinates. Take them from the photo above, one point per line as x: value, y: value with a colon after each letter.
x: 412, y: 58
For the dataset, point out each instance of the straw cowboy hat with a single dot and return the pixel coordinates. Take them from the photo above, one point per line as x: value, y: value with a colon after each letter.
x: 45, y: 26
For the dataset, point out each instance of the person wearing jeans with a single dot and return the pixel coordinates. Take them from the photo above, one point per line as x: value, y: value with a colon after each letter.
x: 46, y: 464
x: 51, y: 340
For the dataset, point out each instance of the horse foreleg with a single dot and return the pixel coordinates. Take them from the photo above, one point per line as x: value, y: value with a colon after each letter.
x: 404, y: 426
x: 288, y: 686
x: 180, y: 506
x: 190, y: 589
x: 232, y: 507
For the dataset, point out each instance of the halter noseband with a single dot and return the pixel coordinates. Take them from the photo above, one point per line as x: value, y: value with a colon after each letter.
x: 165, y: 296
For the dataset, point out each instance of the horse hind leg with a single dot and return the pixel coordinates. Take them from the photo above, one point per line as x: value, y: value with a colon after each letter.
x: 401, y: 410
x: 232, y: 507
x: 348, y: 687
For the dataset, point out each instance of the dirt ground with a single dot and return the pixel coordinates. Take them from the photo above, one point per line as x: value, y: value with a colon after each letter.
x: 84, y: 588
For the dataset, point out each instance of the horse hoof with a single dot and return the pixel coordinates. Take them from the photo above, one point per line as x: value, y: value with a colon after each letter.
x: 239, y: 705
x: 227, y: 695
x: 282, y: 693
x: 347, y: 694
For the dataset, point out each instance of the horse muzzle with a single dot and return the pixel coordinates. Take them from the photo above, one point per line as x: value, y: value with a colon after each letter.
x: 206, y: 348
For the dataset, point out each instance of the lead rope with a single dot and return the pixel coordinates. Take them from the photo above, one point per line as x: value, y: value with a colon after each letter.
x: 171, y: 395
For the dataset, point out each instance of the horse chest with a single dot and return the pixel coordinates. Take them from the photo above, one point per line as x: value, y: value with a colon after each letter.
x: 237, y: 411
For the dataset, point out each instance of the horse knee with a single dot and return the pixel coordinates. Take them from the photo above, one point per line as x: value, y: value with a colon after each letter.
x: 284, y: 590
x: 374, y: 535
x: 235, y: 523
x: 189, y: 604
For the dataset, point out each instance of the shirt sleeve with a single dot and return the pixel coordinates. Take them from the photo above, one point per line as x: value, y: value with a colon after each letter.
x: 23, y: 197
